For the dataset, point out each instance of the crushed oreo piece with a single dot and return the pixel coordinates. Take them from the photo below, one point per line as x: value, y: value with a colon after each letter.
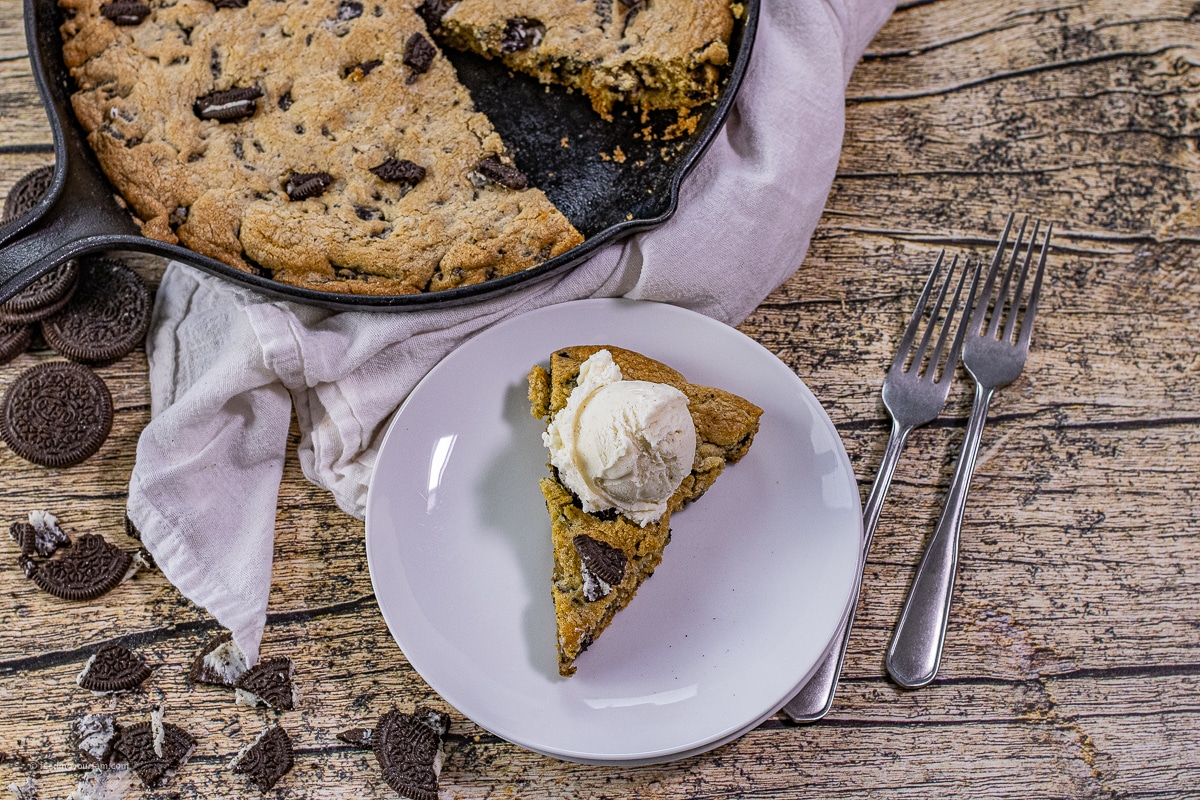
x: 91, y: 567
x: 267, y: 760
x: 432, y: 11
x: 154, y: 759
x: 399, y: 170
x: 270, y: 681
x: 106, y: 318
x: 307, y: 184
x: 603, y: 566
x: 56, y: 414
x: 113, y: 668
x: 47, y: 536
x: 360, y: 71
x: 94, y: 737
x: 220, y: 662
x: 125, y: 12
x: 419, y: 52
x: 14, y: 340
x: 24, y: 791
x: 521, y: 33
x: 358, y: 737
x: 348, y: 10
x: 495, y: 170
x: 229, y: 104
x: 131, y: 530
x: 27, y: 192
x: 409, y: 750
x: 231, y: 3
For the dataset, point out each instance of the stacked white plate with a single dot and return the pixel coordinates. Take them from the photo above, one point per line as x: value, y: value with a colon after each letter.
x: 751, y: 589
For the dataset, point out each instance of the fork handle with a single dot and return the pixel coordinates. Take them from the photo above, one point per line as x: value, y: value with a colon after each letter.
x: 815, y: 698
x: 916, y: 647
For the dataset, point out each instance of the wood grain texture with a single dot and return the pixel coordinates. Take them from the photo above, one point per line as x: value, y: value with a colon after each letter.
x: 1072, y: 663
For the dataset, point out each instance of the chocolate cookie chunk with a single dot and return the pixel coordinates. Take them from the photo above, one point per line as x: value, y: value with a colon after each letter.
x: 357, y: 737
x: 113, y: 669
x: 45, y: 296
x: 56, y: 414
x: 106, y: 318
x: 270, y: 680
x: 14, y: 340
x: 267, y: 760
x: 91, y: 568
x: 219, y: 662
x: 94, y: 736
x: 408, y: 748
x: 27, y: 191
x: 135, y: 745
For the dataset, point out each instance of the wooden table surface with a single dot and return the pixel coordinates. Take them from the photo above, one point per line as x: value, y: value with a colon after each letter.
x: 1072, y: 665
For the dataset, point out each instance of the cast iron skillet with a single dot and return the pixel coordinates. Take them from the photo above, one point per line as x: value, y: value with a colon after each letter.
x: 604, y: 195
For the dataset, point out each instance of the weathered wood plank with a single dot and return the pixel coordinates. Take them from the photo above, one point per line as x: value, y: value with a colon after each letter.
x: 1074, y: 643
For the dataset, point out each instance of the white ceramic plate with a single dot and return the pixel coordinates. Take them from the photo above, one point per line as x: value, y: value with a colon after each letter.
x: 750, y: 591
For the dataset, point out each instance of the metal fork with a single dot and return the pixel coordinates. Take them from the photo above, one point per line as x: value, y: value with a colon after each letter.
x: 914, y: 393
x: 993, y: 361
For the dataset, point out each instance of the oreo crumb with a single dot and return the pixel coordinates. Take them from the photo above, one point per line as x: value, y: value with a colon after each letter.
x: 521, y: 33
x: 408, y: 748
x: 154, y: 764
x: 267, y: 759
x: 220, y: 662
x: 269, y: 681
x: 302, y: 185
x: 113, y: 668
x: 399, y: 170
x: 91, y: 568
x: 495, y: 170
x: 602, y: 565
x: 228, y: 105
x: 419, y: 53
x: 125, y: 12
x: 94, y: 736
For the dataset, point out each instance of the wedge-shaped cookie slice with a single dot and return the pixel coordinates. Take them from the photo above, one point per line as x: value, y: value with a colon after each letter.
x: 601, y: 558
x: 657, y: 54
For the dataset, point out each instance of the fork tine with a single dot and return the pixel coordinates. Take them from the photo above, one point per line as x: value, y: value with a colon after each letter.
x: 947, y: 324
x: 1014, y: 305
x: 964, y: 323
x: 1002, y: 295
x: 915, y: 319
x: 1031, y: 304
x: 919, y: 355
x: 981, y: 309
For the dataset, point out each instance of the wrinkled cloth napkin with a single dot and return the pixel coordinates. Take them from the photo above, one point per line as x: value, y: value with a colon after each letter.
x: 228, y: 365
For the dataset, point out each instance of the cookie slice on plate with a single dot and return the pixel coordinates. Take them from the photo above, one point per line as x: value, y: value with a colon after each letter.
x: 603, y: 555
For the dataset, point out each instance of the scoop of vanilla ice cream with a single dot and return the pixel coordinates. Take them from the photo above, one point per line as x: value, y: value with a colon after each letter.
x: 622, y: 444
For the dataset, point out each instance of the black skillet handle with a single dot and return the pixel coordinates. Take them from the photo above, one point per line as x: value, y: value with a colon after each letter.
x: 77, y: 215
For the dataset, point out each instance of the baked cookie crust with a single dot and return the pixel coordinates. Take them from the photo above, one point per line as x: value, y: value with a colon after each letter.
x: 324, y: 143
x: 725, y: 428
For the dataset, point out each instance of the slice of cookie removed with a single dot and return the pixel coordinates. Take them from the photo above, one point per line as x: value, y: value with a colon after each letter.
x: 602, y: 558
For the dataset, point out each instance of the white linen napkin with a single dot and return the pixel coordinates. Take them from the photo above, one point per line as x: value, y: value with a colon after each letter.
x: 227, y: 364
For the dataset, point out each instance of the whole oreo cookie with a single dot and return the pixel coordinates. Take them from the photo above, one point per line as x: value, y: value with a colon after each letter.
x: 14, y: 340
x: 46, y: 296
x: 56, y: 414
x: 27, y: 191
x: 105, y: 319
